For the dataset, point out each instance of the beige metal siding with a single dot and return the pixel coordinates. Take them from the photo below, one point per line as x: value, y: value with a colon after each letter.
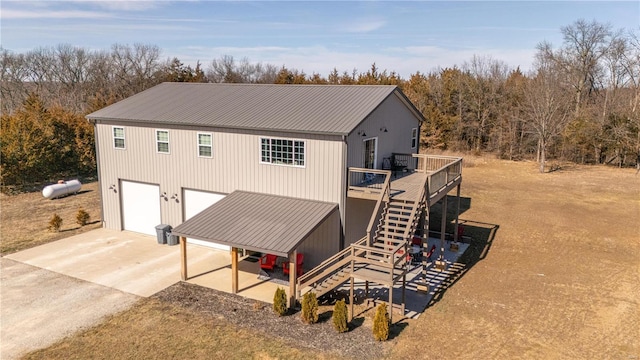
x: 322, y: 243
x: 359, y: 213
x: 392, y: 115
x: 235, y: 165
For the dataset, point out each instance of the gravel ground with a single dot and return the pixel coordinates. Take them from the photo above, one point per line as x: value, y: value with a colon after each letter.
x: 40, y: 307
x: 256, y: 315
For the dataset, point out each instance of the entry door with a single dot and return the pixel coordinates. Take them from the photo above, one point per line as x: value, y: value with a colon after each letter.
x: 370, y: 153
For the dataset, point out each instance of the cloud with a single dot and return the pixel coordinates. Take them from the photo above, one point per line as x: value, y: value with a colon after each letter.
x: 123, y: 5
x: 364, y: 25
x: 48, y: 14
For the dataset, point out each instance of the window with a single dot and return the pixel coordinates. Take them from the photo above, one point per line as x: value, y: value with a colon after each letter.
x: 118, y: 137
x: 414, y: 138
x: 282, y: 151
x: 162, y: 141
x: 204, y: 145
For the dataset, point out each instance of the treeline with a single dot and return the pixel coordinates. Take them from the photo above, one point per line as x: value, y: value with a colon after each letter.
x: 578, y: 103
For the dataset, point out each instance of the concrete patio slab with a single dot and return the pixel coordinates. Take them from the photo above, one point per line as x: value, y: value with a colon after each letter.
x: 417, y: 301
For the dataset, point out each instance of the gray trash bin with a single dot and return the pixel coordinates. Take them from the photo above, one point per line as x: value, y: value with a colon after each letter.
x: 172, y: 239
x: 161, y: 231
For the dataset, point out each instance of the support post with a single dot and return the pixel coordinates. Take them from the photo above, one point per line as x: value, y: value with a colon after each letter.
x: 366, y: 289
x: 234, y: 270
x: 391, y: 301
x: 293, y: 278
x: 404, y: 287
x: 351, y: 299
x: 443, y: 226
x: 183, y: 258
x: 455, y: 235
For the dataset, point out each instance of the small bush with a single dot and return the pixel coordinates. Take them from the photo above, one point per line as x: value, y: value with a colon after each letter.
x: 280, y: 302
x: 381, y: 323
x: 82, y: 217
x: 55, y: 223
x: 340, y: 316
x: 309, y: 308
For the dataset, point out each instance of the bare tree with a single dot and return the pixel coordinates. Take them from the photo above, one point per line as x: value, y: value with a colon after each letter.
x: 545, y: 106
x: 585, y: 43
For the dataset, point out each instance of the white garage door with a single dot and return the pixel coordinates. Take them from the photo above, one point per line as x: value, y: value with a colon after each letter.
x: 140, y: 207
x: 195, y: 202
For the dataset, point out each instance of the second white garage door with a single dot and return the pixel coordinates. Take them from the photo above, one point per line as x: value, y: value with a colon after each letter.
x: 195, y: 202
x: 140, y: 207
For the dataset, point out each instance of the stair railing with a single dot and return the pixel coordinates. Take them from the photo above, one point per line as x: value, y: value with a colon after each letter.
x: 378, y: 211
x: 328, y: 267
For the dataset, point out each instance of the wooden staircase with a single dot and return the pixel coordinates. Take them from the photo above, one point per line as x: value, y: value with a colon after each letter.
x: 398, y: 224
x: 381, y: 255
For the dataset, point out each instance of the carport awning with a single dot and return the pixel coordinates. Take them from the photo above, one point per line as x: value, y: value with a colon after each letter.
x: 259, y: 222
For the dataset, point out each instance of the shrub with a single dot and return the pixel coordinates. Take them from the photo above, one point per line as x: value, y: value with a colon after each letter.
x: 82, y: 217
x: 309, y: 308
x: 280, y: 302
x: 381, y: 323
x: 55, y: 223
x: 340, y: 316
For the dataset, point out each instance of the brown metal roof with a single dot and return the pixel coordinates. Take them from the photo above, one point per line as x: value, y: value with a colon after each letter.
x: 259, y: 222
x: 328, y: 109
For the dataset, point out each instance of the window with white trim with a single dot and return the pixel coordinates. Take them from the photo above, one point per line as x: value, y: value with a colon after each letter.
x: 205, y: 145
x: 162, y: 141
x: 118, y: 137
x: 282, y: 151
x: 414, y: 138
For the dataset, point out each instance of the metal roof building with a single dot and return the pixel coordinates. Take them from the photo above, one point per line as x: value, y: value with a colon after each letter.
x: 258, y: 222
x: 320, y: 109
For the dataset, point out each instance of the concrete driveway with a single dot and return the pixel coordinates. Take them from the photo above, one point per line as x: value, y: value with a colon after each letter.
x: 40, y: 307
x: 51, y: 291
x: 130, y: 262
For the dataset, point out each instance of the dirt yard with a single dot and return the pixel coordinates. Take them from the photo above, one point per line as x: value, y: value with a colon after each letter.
x: 25, y: 218
x: 553, y: 273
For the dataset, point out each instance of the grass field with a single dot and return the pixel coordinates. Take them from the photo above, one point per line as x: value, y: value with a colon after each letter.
x: 25, y: 217
x: 553, y: 273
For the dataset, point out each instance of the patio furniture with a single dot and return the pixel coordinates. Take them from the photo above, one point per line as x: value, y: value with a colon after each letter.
x: 299, y: 262
x: 268, y: 261
x: 416, y: 254
x: 416, y: 241
x: 431, y: 251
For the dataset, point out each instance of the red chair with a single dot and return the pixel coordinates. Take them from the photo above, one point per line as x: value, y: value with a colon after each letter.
x: 433, y: 249
x: 268, y: 262
x: 299, y: 262
x: 416, y: 241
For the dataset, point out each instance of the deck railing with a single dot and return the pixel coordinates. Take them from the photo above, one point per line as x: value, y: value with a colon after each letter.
x: 441, y: 177
x: 368, y: 180
x: 430, y: 163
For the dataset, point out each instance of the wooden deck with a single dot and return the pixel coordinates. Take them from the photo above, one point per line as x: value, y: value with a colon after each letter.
x: 407, y: 187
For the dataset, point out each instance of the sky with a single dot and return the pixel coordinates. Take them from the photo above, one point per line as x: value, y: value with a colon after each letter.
x: 311, y: 36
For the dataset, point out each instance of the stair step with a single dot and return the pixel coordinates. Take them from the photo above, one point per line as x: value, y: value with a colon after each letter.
x: 383, y: 234
x: 395, y: 227
x: 393, y: 218
x: 388, y: 241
